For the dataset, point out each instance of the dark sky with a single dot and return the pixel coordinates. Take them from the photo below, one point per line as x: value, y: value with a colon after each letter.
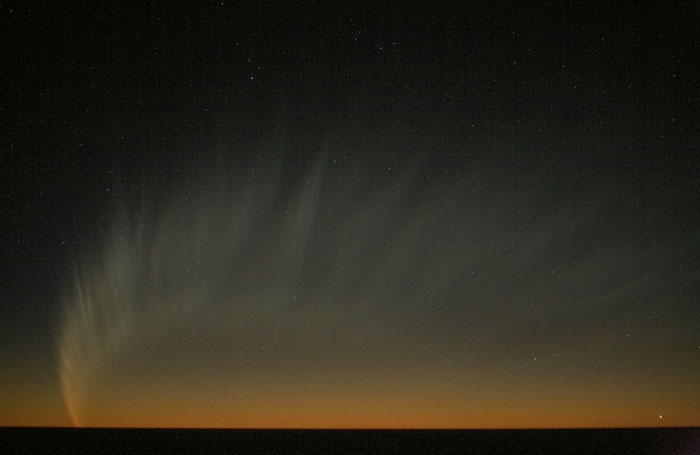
x: 263, y: 215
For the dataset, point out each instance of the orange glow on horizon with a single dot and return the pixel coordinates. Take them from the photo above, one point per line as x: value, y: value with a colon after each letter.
x: 267, y: 409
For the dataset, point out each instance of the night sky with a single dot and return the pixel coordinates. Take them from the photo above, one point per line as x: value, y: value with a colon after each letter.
x: 261, y: 215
